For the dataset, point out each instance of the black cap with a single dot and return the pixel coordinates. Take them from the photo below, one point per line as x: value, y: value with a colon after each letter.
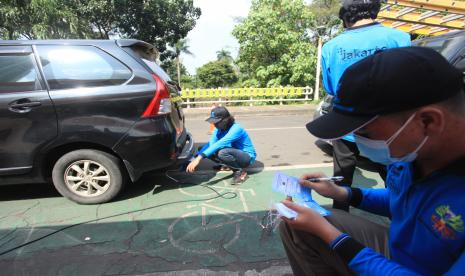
x: 387, y: 82
x: 217, y: 114
x: 347, y: 3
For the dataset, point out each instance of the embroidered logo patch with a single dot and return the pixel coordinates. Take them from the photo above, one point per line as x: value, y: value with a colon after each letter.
x: 446, y: 223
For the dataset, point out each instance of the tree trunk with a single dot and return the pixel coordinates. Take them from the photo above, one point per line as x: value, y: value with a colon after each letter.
x: 178, y: 64
x: 10, y: 34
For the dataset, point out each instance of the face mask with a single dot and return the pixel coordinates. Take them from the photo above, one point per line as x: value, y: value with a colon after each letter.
x: 378, y: 150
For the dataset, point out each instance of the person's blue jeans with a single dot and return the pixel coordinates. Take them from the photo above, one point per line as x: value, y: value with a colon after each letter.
x: 233, y: 158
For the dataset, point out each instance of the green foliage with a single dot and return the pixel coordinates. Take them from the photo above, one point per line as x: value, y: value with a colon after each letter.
x: 159, y: 22
x: 275, y: 47
x: 189, y: 82
x: 170, y: 67
x: 180, y: 47
x: 224, y: 54
x: 40, y: 19
x: 326, y: 23
x: 100, y: 15
x: 217, y: 73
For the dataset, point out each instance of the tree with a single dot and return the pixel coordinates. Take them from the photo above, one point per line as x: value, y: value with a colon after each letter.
x: 171, y: 68
x: 101, y: 15
x: 224, y: 54
x: 159, y: 22
x: 180, y: 47
x: 326, y: 24
x: 217, y: 73
x: 275, y: 45
x: 40, y: 19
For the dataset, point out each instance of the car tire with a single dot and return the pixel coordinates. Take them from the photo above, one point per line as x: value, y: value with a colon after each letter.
x: 88, y: 176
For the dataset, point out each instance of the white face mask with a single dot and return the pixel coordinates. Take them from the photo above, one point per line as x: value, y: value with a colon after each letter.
x: 378, y: 150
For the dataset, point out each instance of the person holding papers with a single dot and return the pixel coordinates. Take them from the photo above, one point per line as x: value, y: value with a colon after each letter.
x: 406, y: 109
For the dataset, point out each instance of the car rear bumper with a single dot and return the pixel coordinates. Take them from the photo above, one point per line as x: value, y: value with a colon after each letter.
x: 188, y: 150
x: 151, y: 144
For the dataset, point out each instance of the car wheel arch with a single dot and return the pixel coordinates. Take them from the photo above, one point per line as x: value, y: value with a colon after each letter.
x: 53, y: 154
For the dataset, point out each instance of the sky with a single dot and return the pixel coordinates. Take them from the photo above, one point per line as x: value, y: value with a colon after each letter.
x: 213, y: 31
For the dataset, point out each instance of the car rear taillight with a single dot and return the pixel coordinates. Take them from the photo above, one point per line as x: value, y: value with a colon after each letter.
x: 161, y: 102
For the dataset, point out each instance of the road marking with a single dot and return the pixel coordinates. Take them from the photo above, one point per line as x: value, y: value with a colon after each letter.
x: 293, y: 167
x: 186, y: 238
x: 290, y: 167
x: 204, y: 219
x: 272, y: 128
x: 241, y: 195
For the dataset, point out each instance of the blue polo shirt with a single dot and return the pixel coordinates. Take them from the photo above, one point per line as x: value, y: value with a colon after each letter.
x: 353, y: 45
x: 427, y: 231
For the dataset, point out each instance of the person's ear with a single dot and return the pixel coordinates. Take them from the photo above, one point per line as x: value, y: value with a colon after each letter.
x: 432, y: 119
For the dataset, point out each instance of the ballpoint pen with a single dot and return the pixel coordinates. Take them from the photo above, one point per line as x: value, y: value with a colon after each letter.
x: 331, y: 179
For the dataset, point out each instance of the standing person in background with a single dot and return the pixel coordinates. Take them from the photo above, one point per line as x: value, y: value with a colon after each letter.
x: 362, y: 37
x: 229, y: 145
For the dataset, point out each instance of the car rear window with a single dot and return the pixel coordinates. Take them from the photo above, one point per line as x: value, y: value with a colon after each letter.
x: 157, y: 69
x: 67, y: 67
x: 18, y: 73
x: 149, y: 57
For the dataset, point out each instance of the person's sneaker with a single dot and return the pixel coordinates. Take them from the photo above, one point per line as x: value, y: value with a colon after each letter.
x: 239, y: 177
x: 221, y: 168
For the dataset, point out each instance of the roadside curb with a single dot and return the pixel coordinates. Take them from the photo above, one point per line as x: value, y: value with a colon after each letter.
x: 245, y: 111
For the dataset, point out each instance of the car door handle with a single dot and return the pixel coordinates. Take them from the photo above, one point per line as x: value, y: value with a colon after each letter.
x: 23, y: 105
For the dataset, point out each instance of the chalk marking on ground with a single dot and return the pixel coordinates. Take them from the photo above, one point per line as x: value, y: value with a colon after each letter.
x: 290, y: 167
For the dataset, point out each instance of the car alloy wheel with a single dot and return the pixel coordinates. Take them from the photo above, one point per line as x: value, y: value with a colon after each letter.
x: 87, y: 178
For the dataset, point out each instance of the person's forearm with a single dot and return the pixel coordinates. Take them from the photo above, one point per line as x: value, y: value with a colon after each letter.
x: 329, y: 233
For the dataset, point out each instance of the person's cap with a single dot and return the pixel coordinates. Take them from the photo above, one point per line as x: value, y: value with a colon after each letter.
x: 387, y: 82
x: 217, y: 114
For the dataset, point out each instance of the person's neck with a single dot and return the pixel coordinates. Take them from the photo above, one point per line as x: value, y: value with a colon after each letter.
x: 362, y: 22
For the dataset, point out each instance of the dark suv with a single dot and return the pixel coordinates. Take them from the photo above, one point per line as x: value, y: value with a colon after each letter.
x: 89, y: 114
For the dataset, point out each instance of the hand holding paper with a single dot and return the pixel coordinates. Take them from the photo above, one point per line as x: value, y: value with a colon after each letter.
x: 290, y: 186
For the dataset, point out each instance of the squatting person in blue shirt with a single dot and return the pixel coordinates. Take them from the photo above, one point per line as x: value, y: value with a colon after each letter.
x: 229, y: 145
x: 362, y: 37
x: 406, y: 108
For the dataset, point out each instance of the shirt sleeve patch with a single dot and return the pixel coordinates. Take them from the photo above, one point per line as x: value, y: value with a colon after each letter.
x: 446, y: 223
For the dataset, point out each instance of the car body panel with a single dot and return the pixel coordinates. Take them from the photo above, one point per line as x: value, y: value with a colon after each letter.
x: 24, y: 130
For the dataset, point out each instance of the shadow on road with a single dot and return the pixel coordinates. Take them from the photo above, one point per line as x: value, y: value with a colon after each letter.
x: 150, y: 183
x: 28, y: 191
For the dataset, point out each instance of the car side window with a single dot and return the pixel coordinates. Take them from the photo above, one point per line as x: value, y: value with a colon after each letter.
x: 67, y: 67
x: 18, y: 73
